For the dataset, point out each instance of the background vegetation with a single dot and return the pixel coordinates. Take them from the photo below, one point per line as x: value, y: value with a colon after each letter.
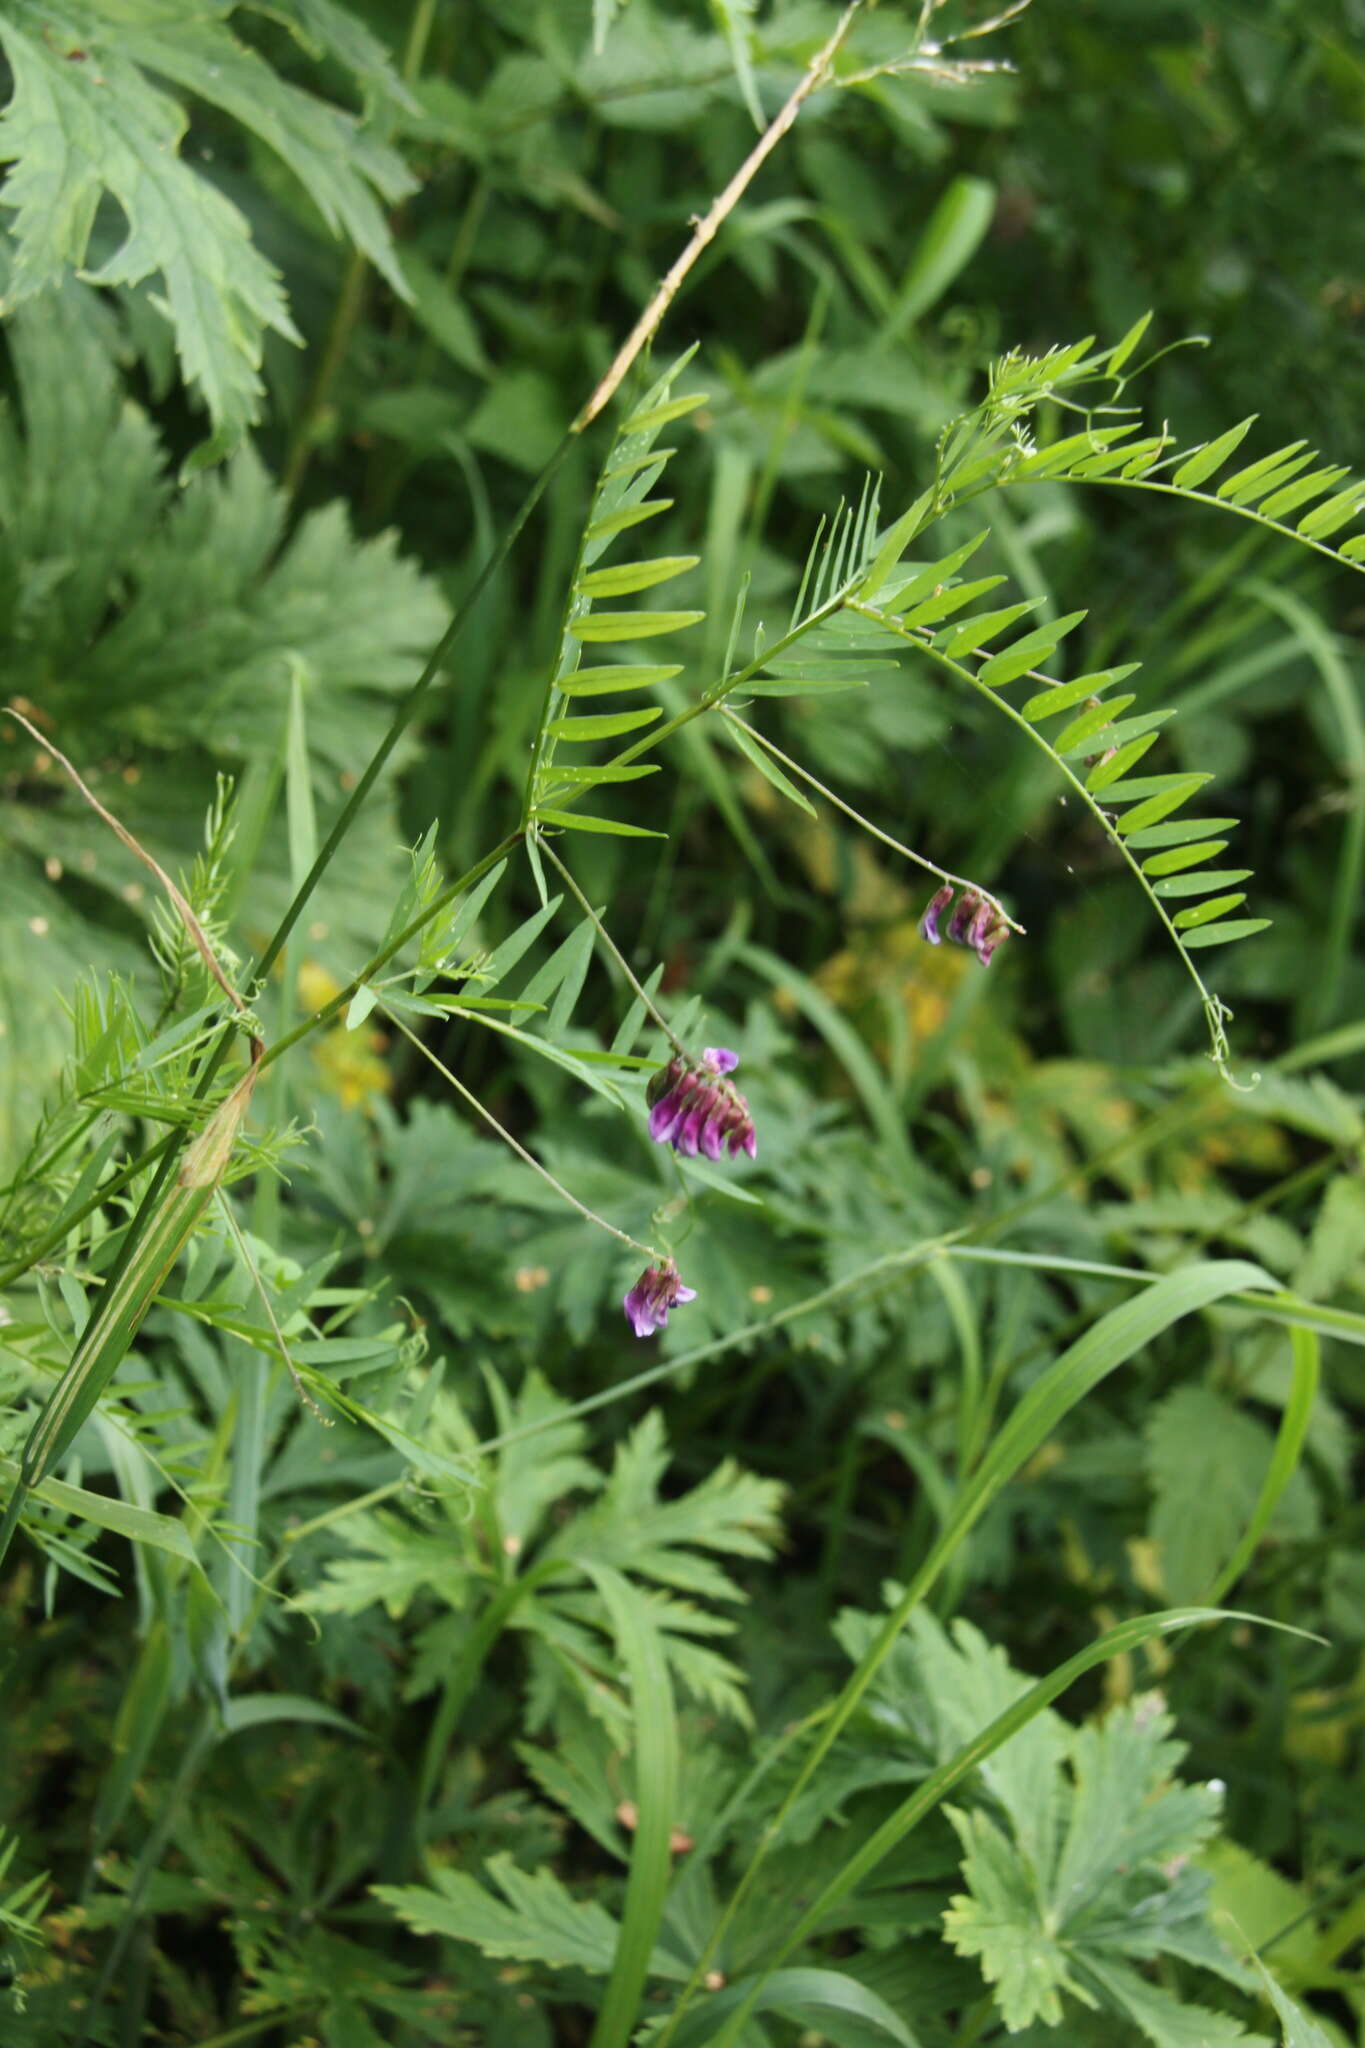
x: 520, y: 1684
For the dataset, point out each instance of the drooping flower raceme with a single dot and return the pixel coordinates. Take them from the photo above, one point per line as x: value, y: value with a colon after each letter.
x: 976, y: 921
x: 657, y: 1290
x: 696, y: 1108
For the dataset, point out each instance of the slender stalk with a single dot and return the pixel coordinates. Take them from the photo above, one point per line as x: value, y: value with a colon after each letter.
x: 345, y: 317
x: 640, y: 335
x: 463, y: 1676
x: 152, y: 1851
x: 874, y: 831
x: 527, y: 1158
x: 351, y: 298
x: 1214, y: 1011
x: 617, y: 955
x: 706, y: 229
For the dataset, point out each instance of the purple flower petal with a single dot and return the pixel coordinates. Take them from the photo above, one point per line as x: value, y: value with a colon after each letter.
x: 720, y: 1059
x: 663, y: 1118
x: 688, y: 1135
x: 968, y: 904
x: 928, y: 924
x: 657, y: 1290
x: 712, y: 1132
x: 639, y: 1309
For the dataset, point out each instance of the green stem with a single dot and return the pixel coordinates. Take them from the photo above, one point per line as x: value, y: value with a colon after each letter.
x: 528, y: 1158
x: 345, y: 315
x: 617, y: 955
x: 463, y: 1675
x: 874, y: 831
x: 1213, y: 1009
x: 152, y: 1851
x: 351, y: 298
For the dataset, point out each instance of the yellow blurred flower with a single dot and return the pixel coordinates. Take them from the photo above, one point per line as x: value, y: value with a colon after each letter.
x: 347, y: 1064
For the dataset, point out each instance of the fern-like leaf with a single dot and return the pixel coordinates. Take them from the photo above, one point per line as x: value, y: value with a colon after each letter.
x: 1287, y: 491
x: 620, y: 503
x: 1096, y: 750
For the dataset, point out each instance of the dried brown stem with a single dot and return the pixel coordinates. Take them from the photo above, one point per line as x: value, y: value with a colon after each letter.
x: 186, y: 915
x: 708, y: 226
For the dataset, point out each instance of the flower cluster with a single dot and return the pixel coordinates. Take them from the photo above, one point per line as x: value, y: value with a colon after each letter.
x: 657, y: 1290
x: 977, y: 921
x: 694, y: 1108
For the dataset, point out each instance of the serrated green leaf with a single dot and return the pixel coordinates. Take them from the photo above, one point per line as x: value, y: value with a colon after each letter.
x: 1206, y: 1461
x: 74, y: 131
x: 1301, y: 2030
x: 536, y: 1920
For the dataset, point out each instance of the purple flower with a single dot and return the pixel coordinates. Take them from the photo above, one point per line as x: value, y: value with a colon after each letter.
x: 964, y: 910
x: 695, y: 1108
x: 657, y: 1290
x: 928, y: 924
x: 985, y: 932
x: 977, y: 921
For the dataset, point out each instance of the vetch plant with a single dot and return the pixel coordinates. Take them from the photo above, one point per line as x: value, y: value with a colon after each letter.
x: 164, y: 1315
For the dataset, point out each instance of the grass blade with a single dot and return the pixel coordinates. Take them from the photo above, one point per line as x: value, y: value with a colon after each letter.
x: 656, y: 1797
